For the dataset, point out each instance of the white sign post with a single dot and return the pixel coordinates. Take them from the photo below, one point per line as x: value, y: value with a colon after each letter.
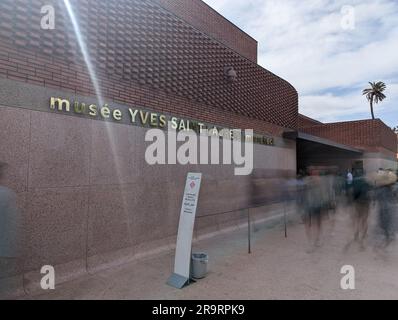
x: 181, y: 275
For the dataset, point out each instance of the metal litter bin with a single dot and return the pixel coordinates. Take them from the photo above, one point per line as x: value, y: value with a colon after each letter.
x: 199, y: 265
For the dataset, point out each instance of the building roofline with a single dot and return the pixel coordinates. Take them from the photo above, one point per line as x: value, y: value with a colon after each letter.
x: 363, y: 120
x: 294, y: 135
x: 206, y: 34
x: 229, y: 21
x: 225, y: 45
x: 309, y: 118
x: 349, y: 121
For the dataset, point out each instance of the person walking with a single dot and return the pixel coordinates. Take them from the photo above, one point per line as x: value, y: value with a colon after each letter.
x: 361, y: 197
x: 314, y: 206
x: 349, y: 185
x: 387, y: 195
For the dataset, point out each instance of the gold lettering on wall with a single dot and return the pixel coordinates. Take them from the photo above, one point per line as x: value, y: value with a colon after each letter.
x: 117, y: 115
x: 150, y: 119
x: 133, y: 114
x: 61, y: 103
x: 105, y: 112
x: 93, y: 110
x: 144, y: 117
x: 163, y: 121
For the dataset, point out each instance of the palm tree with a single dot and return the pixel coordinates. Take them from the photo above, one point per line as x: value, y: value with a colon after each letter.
x: 375, y: 94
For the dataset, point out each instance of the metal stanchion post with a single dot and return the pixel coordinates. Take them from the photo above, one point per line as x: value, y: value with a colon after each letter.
x: 285, y: 218
x: 249, y: 231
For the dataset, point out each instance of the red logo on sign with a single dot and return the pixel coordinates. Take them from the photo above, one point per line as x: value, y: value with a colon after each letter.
x: 192, y: 185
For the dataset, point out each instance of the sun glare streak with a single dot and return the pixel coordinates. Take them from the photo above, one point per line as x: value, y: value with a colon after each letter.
x: 94, y: 80
x: 83, y: 49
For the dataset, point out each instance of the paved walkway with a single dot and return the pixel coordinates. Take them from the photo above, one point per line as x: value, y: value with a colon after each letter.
x: 278, y: 268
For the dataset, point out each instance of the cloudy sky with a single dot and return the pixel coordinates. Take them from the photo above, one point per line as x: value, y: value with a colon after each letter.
x: 328, y: 56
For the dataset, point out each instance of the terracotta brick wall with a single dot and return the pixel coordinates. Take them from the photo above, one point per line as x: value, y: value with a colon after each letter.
x: 304, y: 121
x: 141, y: 52
x: 371, y: 135
x: 388, y: 138
x: 204, y: 18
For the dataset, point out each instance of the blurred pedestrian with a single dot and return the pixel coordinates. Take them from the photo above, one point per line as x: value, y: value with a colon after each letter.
x: 9, y: 225
x: 331, y: 185
x: 349, y: 185
x: 339, y: 184
x: 361, y: 196
x: 387, y: 194
x: 314, y: 208
x: 300, y: 190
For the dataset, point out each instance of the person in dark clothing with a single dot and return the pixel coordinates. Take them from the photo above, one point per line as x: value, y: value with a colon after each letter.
x: 387, y: 198
x: 314, y: 203
x: 361, y: 201
x: 349, y: 185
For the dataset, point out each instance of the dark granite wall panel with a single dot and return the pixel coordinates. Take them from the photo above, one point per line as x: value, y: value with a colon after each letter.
x: 14, y: 146
x: 84, y: 188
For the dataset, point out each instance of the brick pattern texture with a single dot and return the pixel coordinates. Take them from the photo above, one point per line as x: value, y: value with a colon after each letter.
x: 202, y: 17
x: 304, y: 121
x: 370, y: 135
x: 141, y: 52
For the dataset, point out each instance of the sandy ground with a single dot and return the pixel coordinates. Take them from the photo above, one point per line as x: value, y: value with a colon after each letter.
x: 278, y: 268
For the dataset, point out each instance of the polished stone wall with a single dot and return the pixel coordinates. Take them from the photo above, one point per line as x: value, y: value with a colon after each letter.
x: 88, y: 198
x: 85, y: 193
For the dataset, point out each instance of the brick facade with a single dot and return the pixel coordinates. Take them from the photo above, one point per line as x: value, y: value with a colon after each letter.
x: 202, y: 17
x: 142, y: 53
x: 370, y: 135
x: 304, y: 121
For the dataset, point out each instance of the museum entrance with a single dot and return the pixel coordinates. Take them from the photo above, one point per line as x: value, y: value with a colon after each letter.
x: 325, y: 155
x: 314, y: 152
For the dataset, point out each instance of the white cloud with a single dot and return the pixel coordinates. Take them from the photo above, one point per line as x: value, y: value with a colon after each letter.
x: 303, y: 42
x: 331, y: 107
